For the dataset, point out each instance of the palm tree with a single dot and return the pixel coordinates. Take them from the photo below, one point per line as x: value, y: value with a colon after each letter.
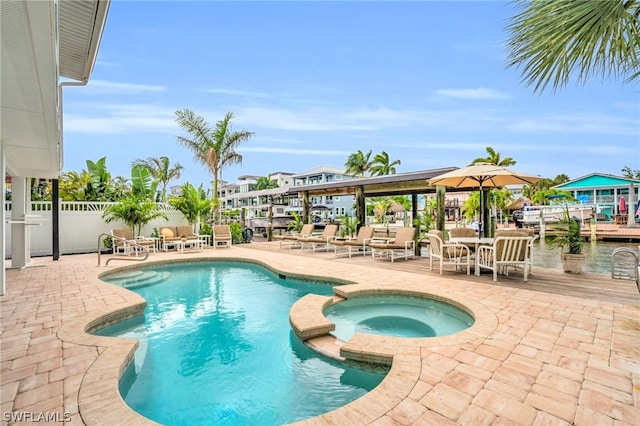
x: 358, y: 163
x: 161, y: 171
x: 265, y: 182
x: 382, y: 166
x: 213, y: 147
x: 193, y: 204
x: 134, y: 211
x: 552, y: 39
x: 630, y: 173
x: 494, y: 158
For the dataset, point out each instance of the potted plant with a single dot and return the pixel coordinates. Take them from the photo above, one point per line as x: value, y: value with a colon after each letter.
x: 566, y: 235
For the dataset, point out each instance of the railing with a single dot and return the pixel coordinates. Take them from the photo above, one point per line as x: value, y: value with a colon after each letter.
x: 624, y: 265
x: 125, y: 241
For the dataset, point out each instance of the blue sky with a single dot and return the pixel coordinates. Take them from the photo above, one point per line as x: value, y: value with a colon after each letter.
x: 426, y: 82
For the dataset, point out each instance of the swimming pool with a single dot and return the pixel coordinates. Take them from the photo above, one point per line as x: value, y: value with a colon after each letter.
x: 399, y: 316
x: 216, y: 347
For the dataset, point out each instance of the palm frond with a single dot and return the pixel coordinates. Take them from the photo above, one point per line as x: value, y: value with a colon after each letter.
x: 553, y: 40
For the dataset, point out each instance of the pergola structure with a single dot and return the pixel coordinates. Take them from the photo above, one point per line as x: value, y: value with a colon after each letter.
x: 411, y: 183
x: 42, y: 42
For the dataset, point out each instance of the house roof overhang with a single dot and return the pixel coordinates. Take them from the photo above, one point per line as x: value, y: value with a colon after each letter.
x: 41, y: 42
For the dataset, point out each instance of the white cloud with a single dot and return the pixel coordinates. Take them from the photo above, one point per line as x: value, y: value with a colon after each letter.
x: 292, y: 151
x: 120, y: 119
x: 103, y: 87
x: 577, y: 123
x: 479, y: 93
x: 243, y: 93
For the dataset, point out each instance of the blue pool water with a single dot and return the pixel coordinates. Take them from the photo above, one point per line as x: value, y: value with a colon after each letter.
x: 399, y: 316
x: 216, y: 347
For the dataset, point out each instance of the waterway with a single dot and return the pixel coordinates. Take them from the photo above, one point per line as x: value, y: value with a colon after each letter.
x: 598, y: 255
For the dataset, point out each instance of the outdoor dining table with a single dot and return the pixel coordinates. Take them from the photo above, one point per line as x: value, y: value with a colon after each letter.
x: 475, y: 242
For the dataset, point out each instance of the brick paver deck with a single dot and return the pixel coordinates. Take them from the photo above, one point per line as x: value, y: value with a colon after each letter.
x: 541, y: 358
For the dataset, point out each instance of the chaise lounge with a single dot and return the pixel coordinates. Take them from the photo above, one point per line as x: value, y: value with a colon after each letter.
x: 357, y: 245
x: 401, y: 247
x: 291, y: 240
x: 313, y: 241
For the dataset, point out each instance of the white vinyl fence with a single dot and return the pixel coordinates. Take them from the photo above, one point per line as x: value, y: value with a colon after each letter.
x: 80, y: 224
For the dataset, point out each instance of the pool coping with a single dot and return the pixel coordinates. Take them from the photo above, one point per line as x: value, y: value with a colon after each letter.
x: 578, y: 348
x: 308, y: 321
x: 100, y: 400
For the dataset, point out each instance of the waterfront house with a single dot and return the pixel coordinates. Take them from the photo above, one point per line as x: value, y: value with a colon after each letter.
x: 603, y: 190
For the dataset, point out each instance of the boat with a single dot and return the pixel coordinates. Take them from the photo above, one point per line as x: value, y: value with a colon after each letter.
x: 534, y: 215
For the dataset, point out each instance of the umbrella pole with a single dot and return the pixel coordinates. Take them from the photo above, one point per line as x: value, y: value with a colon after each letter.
x: 480, y: 227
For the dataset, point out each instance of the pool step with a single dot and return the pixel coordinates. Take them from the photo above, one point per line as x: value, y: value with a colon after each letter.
x: 327, y: 345
x: 136, y: 279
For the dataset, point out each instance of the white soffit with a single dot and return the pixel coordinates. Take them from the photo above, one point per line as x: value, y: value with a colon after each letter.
x: 29, y: 100
x: 30, y: 71
x: 81, y: 26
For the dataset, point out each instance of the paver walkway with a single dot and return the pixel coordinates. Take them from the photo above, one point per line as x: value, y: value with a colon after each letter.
x: 548, y: 359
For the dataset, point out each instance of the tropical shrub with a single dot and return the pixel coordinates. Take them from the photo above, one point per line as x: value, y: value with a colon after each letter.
x: 134, y: 212
x: 193, y: 204
x: 296, y: 224
x: 236, y: 233
x: 565, y: 234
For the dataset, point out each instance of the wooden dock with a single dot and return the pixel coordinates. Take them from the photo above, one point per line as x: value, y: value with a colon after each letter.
x: 612, y: 232
x: 588, y: 285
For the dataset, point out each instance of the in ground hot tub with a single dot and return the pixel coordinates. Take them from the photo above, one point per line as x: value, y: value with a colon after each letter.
x: 398, y: 316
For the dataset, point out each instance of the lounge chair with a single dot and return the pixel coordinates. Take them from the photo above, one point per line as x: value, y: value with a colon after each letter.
x: 125, y: 243
x: 291, y: 239
x: 505, y: 253
x: 359, y: 244
x: 447, y: 253
x: 221, y: 235
x: 313, y: 241
x: 402, y: 246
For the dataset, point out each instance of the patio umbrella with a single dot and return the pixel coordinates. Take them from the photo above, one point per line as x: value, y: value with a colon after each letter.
x: 623, y: 205
x: 482, y: 176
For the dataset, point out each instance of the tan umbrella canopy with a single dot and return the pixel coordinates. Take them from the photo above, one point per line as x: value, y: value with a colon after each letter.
x: 482, y: 175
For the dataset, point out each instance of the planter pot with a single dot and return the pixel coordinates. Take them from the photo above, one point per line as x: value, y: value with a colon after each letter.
x: 572, y: 263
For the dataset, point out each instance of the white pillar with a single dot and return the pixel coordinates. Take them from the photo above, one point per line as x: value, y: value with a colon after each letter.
x: 19, y: 235
x: 3, y: 218
x: 631, y: 207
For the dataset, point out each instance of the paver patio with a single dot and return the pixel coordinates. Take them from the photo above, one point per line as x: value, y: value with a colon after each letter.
x: 544, y: 359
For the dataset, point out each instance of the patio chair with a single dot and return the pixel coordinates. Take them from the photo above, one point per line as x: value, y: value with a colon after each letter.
x: 521, y: 232
x: 447, y: 253
x: 125, y: 243
x: 462, y: 232
x: 222, y: 235
x: 359, y: 244
x: 313, y: 241
x: 401, y: 247
x: 505, y: 253
x: 291, y: 239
